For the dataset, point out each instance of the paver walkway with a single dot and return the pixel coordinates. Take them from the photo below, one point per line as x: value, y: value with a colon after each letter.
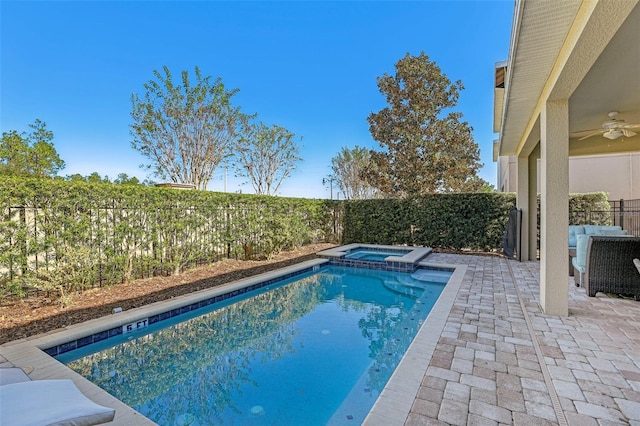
x: 501, y: 360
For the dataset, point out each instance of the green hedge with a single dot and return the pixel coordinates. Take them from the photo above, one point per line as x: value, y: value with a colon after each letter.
x: 452, y: 221
x: 63, y: 236
x: 589, y: 209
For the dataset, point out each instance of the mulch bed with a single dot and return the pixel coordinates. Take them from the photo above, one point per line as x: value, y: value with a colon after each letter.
x: 21, y: 318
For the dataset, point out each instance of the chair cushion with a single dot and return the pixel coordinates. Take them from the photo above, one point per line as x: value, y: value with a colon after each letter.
x: 581, y: 268
x: 573, y: 231
x: 595, y: 229
x: 612, y: 232
x: 50, y: 402
x: 580, y: 260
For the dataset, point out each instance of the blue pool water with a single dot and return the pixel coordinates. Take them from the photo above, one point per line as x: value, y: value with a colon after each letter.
x: 374, y: 256
x: 316, y: 349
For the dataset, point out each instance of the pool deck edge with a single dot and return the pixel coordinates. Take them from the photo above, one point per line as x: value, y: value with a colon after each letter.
x: 394, y: 403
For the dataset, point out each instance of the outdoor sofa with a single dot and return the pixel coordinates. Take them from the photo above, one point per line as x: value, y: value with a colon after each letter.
x: 575, y: 230
x: 24, y: 402
x: 605, y: 264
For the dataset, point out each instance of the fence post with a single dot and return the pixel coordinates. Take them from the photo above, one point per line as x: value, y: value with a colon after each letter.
x: 621, y: 213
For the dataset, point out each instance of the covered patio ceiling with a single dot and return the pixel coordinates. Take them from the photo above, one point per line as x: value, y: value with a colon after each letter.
x: 570, y: 64
x: 612, y: 83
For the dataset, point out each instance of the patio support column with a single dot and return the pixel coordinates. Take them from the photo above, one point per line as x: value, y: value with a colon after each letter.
x: 533, y: 203
x: 522, y: 203
x: 554, y: 207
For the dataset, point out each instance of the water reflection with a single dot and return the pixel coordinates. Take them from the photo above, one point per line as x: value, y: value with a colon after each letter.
x: 202, y: 371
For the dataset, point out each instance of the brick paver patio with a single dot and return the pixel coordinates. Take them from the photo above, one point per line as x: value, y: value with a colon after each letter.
x: 501, y: 360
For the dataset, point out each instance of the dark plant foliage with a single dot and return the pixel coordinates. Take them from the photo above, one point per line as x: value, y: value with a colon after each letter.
x: 450, y: 221
x: 63, y: 236
x: 473, y: 221
x: 60, y: 236
x: 592, y: 208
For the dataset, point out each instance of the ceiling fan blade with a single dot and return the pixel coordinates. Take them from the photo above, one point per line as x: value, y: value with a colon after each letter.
x: 628, y: 133
x: 597, y: 132
x: 584, y: 133
x: 631, y: 126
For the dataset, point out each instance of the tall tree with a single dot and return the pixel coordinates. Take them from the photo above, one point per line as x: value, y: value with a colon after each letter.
x: 185, y: 129
x: 348, y: 167
x: 96, y: 178
x: 477, y: 184
x: 425, y: 149
x: 267, y: 156
x: 124, y: 179
x: 29, y: 154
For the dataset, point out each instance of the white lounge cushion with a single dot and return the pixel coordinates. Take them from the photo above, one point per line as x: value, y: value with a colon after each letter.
x: 49, y: 402
x: 12, y: 375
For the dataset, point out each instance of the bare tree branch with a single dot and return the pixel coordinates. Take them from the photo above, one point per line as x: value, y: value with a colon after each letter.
x: 267, y: 156
x: 185, y: 130
x: 348, y: 168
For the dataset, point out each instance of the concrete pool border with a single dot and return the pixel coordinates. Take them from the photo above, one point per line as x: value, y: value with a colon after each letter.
x: 29, y: 353
x: 394, y: 403
x: 407, y: 262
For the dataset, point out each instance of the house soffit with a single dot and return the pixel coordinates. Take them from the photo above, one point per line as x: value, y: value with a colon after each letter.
x: 539, y: 32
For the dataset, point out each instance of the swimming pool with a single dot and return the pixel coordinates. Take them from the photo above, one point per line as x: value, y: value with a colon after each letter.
x: 314, y: 349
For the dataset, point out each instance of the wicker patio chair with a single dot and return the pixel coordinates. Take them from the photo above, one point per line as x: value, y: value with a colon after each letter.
x: 610, y: 267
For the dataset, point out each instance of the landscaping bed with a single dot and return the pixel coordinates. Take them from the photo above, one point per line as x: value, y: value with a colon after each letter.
x: 21, y: 318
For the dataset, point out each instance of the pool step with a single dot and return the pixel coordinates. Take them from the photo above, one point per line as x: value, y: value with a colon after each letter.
x: 404, y: 288
x: 431, y: 275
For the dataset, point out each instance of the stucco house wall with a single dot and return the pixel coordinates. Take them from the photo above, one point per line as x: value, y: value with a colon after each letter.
x: 616, y: 174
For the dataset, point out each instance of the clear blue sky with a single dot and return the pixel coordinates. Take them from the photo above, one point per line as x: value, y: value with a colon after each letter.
x: 308, y: 66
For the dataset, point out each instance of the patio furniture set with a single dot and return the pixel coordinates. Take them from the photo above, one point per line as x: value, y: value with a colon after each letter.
x: 603, y: 259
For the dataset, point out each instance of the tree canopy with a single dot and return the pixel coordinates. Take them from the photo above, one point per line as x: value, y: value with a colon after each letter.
x: 185, y: 129
x: 122, y: 179
x: 425, y: 148
x: 266, y: 155
x: 29, y: 154
x: 348, y: 167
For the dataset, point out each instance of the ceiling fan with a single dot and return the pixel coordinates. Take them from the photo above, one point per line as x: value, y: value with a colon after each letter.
x: 611, y: 129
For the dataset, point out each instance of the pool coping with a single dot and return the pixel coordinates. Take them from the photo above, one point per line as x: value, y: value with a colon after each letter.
x: 396, y: 399
x: 412, y: 257
x: 393, y: 404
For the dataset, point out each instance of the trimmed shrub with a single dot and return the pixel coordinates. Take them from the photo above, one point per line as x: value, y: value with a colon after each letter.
x: 451, y: 221
x: 135, y: 231
x: 64, y: 236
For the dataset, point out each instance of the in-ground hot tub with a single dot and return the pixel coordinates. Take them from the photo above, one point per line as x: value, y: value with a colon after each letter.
x: 390, y: 258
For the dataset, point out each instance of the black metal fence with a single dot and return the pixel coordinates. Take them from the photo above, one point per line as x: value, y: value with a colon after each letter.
x: 626, y: 213
x: 49, y: 242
